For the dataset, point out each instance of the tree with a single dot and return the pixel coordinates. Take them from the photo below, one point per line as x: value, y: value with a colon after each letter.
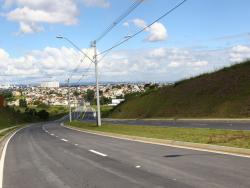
x: 43, y: 114
x: 22, y: 103
x: 90, y: 95
x: 105, y: 100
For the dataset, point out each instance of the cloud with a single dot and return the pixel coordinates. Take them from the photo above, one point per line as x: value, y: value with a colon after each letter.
x: 97, y: 3
x: 30, y: 14
x: 239, y: 53
x: 157, y: 64
x: 157, y: 31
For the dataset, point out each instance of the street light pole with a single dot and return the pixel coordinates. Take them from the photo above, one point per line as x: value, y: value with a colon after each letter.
x: 95, y: 61
x: 99, y: 123
x: 69, y: 103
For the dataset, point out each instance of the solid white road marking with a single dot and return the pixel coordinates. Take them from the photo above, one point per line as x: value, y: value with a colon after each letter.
x: 3, y: 157
x: 64, y: 140
x: 98, y: 153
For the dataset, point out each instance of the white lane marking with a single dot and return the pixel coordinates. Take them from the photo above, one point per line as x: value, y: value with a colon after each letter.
x: 56, y: 136
x: 3, y: 156
x: 138, y: 166
x: 52, y: 134
x: 98, y: 153
x: 64, y: 140
x: 161, y: 144
x: 76, y: 144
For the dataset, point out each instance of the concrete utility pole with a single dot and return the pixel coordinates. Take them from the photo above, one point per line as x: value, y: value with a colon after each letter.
x: 69, y: 103
x: 95, y: 61
x: 99, y: 123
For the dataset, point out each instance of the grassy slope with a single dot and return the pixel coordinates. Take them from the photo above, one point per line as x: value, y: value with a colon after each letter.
x: 224, y: 93
x: 8, y: 118
x: 206, y: 136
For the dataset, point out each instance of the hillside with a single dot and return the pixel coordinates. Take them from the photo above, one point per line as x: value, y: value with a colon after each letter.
x: 9, y: 118
x: 221, y: 94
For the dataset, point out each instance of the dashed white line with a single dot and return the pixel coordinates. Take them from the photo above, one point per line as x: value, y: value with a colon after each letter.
x: 76, y: 144
x: 98, y: 153
x: 138, y: 166
x: 64, y: 140
x: 52, y: 134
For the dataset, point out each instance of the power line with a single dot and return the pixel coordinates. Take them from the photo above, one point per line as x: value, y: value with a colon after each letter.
x: 143, y: 29
x: 78, y: 65
x: 134, y: 5
x: 85, y: 74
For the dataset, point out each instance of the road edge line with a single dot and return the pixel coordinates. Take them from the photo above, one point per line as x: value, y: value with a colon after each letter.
x: 142, y: 140
x: 2, y: 160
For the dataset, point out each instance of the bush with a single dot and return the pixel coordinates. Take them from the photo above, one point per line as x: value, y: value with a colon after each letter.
x: 43, y: 115
x: 22, y: 103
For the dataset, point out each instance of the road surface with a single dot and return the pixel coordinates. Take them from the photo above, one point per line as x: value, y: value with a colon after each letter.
x: 213, y: 124
x: 51, y: 156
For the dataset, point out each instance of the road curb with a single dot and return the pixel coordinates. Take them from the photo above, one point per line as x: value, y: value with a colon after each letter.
x: 241, y: 152
x: 185, y: 119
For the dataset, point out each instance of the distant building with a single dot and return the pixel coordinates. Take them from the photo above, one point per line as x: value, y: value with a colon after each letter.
x: 16, y: 93
x: 115, y: 102
x: 53, y: 84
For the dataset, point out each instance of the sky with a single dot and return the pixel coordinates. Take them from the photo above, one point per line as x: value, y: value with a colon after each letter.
x: 198, y: 37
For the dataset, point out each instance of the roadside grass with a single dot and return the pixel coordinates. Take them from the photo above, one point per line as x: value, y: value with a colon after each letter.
x: 9, y: 118
x: 3, y: 133
x: 232, y: 138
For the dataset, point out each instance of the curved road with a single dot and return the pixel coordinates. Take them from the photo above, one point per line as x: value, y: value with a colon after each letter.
x: 51, y: 156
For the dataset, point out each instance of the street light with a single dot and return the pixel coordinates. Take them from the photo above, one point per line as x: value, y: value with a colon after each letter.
x: 95, y: 61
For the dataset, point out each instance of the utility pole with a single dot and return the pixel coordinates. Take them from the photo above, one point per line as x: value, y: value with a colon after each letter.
x: 99, y: 123
x: 95, y: 61
x: 69, y: 103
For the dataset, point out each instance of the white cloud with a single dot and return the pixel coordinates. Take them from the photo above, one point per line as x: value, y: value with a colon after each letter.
x: 159, y: 64
x: 239, y: 53
x: 159, y: 52
x: 157, y: 31
x: 30, y: 14
x: 97, y: 3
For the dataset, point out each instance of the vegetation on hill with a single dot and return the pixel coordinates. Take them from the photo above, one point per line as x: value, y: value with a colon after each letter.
x: 19, y: 115
x: 221, y: 94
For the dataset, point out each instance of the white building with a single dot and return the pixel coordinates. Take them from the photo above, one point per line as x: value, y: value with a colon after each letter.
x: 115, y: 102
x: 53, y: 84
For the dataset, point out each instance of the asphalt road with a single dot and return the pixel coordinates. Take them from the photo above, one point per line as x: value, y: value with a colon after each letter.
x: 52, y: 156
x: 213, y: 124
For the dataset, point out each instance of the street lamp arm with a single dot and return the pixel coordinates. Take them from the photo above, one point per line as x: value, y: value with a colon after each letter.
x: 73, y: 44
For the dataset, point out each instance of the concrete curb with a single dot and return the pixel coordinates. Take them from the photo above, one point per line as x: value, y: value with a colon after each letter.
x: 179, y: 144
x: 185, y: 119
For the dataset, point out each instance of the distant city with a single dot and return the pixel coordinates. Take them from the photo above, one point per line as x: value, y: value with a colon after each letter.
x: 54, y: 93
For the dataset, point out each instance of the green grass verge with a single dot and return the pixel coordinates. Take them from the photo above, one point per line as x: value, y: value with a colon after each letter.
x: 230, y: 138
